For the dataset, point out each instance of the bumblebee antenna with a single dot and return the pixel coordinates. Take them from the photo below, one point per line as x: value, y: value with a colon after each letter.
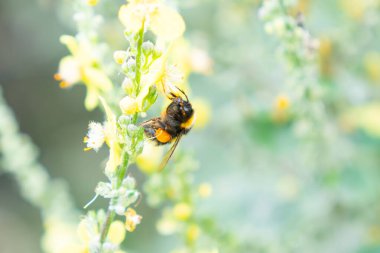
x: 187, y: 99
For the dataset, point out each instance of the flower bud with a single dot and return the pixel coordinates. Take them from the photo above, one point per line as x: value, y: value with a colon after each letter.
x: 128, y: 105
x: 127, y: 85
x: 120, y: 56
x: 116, y: 233
x: 147, y: 47
x: 131, y: 63
x: 124, y: 120
x: 129, y: 182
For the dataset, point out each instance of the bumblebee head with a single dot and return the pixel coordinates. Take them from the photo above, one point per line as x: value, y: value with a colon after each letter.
x: 182, y: 108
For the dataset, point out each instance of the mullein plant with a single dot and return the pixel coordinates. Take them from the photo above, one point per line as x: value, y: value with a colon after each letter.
x: 306, y: 99
x: 19, y: 157
x: 148, y: 71
x: 298, y: 49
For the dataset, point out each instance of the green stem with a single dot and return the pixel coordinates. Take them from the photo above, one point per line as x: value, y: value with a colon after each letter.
x: 139, y: 56
x: 122, y: 171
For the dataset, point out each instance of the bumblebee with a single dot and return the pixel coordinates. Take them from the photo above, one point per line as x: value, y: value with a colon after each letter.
x: 174, y: 122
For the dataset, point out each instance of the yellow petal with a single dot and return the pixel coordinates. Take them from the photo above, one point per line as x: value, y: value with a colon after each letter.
x: 111, y: 118
x: 69, y: 70
x: 111, y: 139
x: 372, y: 65
x: 156, y: 72
x: 192, y: 233
x: 114, y: 158
x: 131, y: 219
x: 71, y: 44
x: 182, y: 211
x: 167, y: 226
x: 96, y: 78
x: 132, y: 17
x: 365, y: 117
x: 82, y: 231
x: 149, y: 160
x: 203, y: 111
x: 166, y: 23
x: 282, y: 102
x: 204, y: 190
x: 155, y: 75
x: 92, y: 2
x: 116, y: 232
x: 91, y: 100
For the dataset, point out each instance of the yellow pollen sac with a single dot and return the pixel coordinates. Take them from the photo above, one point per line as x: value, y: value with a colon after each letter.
x: 162, y: 136
x: 64, y: 84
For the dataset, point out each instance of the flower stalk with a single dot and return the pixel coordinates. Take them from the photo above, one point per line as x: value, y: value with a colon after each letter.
x: 122, y: 171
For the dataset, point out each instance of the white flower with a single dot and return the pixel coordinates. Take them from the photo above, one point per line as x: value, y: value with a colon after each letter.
x: 95, y: 136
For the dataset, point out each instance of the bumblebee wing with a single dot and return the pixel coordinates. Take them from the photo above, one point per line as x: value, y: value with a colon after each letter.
x: 170, y: 152
x: 150, y: 126
x: 150, y: 122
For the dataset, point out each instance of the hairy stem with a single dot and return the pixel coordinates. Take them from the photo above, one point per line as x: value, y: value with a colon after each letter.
x: 139, y: 56
x: 122, y: 171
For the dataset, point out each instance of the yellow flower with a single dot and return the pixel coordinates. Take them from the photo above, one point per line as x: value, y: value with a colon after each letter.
x: 167, y: 226
x: 282, y: 103
x: 192, y: 233
x: 82, y: 231
x: 204, y: 190
x: 182, y: 211
x: 60, y: 236
x: 166, y: 78
x: 150, y: 158
x: 374, y: 233
x: 325, y: 52
x: 92, y: 2
x: 116, y: 232
x: 302, y: 6
x: 372, y: 65
x: 357, y: 8
x: 203, y: 112
x: 164, y: 22
x: 365, y: 117
x: 189, y: 59
x: 132, y: 219
x: 81, y: 66
x: 111, y: 139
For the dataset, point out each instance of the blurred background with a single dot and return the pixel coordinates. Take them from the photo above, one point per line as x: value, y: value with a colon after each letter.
x: 269, y: 187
